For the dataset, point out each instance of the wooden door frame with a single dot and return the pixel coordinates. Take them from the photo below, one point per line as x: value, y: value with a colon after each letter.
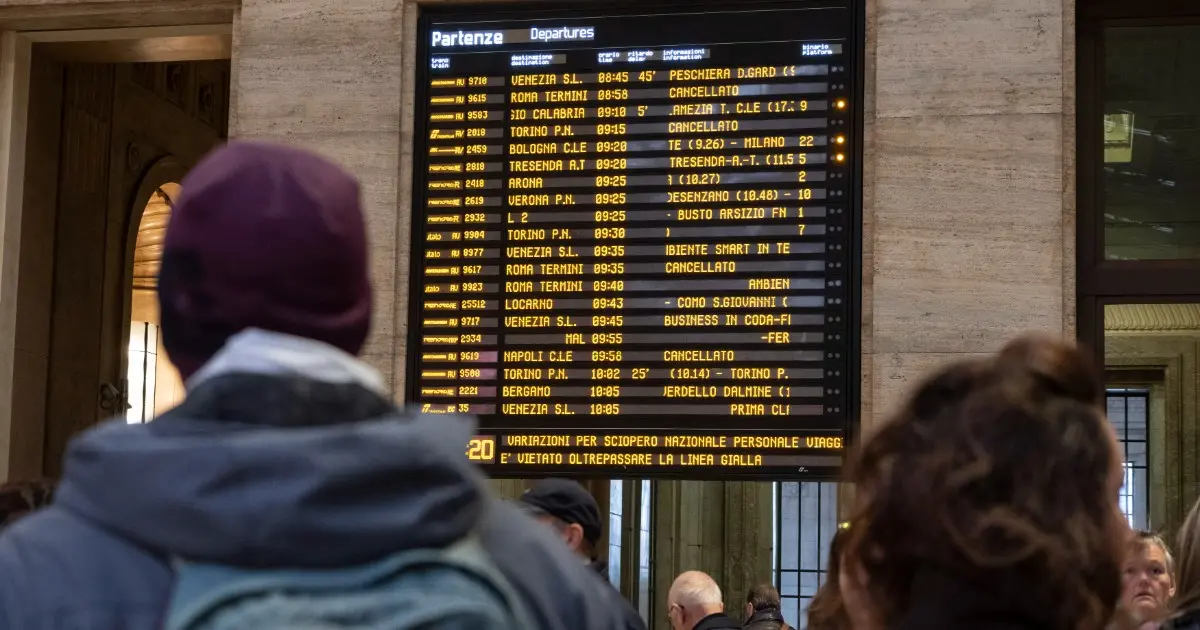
x: 16, y: 55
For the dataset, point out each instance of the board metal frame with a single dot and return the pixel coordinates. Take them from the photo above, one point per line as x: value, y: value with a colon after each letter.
x: 507, y: 11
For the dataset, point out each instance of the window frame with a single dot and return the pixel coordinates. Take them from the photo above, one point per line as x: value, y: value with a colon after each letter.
x: 1100, y: 282
x: 823, y: 536
x: 1089, y: 327
x: 1128, y: 392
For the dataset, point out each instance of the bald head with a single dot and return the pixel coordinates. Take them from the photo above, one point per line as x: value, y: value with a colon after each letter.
x: 694, y: 595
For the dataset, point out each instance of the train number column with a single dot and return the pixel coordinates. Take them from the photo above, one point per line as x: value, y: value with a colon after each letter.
x: 460, y: 274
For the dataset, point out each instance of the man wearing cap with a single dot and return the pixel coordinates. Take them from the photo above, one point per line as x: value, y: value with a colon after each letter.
x: 571, y: 511
x: 288, y: 451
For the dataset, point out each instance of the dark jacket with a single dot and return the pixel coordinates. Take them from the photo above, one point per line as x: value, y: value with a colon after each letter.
x: 718, y: 621
x: 767, y: 619
x: 633, y: 619
x: 267, y: 470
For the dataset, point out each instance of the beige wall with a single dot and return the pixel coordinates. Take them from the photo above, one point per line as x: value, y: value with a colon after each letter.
x: 969, y: 178
x: 326, y: 74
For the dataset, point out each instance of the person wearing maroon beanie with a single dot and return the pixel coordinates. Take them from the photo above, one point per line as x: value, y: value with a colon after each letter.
x: 287, y: 452
x: 264, y: 237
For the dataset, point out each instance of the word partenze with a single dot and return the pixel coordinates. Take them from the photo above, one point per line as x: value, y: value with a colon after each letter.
x: 496, y: 38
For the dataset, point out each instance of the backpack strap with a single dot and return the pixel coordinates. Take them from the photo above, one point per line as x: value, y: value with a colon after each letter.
x: 201, y: 588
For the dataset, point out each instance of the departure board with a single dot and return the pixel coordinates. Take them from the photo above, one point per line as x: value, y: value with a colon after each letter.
x: 636, y: 236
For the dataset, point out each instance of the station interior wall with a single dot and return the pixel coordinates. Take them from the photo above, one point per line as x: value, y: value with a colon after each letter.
x: 969, y: 217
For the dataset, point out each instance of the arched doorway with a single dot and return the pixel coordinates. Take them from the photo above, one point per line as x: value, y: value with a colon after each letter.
x: 153, y: 382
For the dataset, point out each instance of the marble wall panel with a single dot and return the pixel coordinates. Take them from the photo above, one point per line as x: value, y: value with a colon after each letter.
x: 966, y: 183
x: 968, y: 231
x: 1069, y: 171
x: 326, y: 75
x: 956, y: 57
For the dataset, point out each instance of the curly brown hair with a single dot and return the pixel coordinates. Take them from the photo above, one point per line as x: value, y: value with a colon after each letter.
x: 998, y: 471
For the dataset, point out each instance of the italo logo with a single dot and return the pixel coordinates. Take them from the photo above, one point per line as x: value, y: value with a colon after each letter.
x: 562, y: 33
x: 469, y: 38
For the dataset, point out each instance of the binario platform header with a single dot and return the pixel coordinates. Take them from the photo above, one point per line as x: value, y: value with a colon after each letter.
x: 636, y: 234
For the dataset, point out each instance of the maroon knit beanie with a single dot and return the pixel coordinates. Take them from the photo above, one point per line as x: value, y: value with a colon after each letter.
x: 263, y: 237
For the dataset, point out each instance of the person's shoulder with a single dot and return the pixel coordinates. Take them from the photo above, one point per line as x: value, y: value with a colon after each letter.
x: 718, y: 621
x: 560, y: 590
x: 633, y: 620
x: 46, y: 531
x: 53, y: 563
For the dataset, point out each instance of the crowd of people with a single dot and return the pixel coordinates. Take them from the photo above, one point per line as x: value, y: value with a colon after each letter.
x: 289, y: 491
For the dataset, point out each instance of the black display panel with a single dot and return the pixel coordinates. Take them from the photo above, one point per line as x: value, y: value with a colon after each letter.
x: 636, y: 236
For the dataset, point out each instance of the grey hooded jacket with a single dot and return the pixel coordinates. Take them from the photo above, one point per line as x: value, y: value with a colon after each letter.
x: 285, y: 453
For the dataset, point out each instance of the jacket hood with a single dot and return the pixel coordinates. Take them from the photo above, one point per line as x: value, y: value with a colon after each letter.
x: 256, y: 351
x: 265, y: 465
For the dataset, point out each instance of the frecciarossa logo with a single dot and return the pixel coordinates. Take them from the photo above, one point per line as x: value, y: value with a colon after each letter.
x: 454, y: 39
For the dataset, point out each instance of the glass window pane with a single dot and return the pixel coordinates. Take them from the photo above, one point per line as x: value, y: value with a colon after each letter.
x: 1151, y: 136
x: 791, y: 607
x: 616, y: 510
x: 645, y: 597
x: 806, y: 516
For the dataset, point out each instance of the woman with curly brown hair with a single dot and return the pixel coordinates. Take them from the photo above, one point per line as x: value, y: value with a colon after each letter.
x: 990, y: 500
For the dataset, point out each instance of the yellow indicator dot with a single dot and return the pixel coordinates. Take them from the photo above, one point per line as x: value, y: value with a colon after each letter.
x: 840, y: 157
x: 841, y: 104
x: 841, y: 140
